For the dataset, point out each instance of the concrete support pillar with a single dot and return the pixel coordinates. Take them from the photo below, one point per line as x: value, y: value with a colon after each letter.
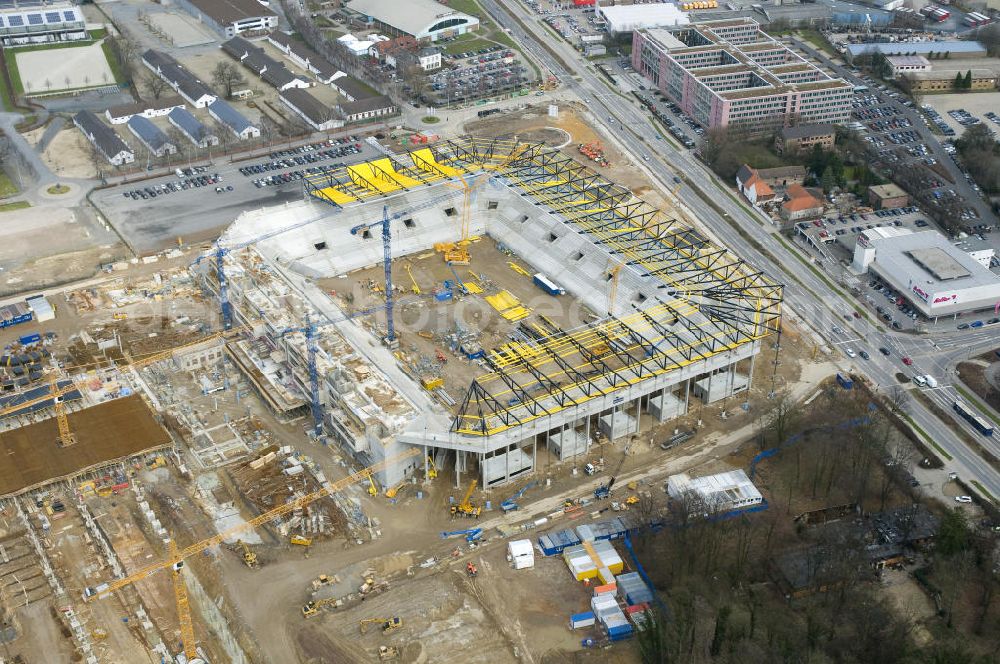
x: 458, y: 472
x: 534, y: 456
x: 482, y: 470
x: 614, y: 410
x: 687, y: 395
x: 426, y: 456
x: 753, y: 361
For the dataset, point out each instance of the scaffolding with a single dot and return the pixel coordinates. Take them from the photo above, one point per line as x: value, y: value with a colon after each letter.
x: 701, y: 301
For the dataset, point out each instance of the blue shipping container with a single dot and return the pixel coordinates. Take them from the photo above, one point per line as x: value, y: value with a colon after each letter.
x: 29, y: 339
x: 547, y: 285
x: 844, y: 381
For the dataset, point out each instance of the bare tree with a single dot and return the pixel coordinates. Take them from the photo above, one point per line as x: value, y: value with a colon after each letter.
x: 227, y: 76
x: 155, y: 85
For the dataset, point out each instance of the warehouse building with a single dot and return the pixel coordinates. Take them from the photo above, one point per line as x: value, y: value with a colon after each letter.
x: 317, y: 115
x: 183, y: 82
x: 232, y: 17
x: 628, y: 18
x: 369, y: 108
x: 937, y: 277
x: 104, y: 138
x: 937, y: 49
x: 304, y: 57
x: 233, y: 120
x: 731, y: 73
x: 192, y: 127
x: 41, y: 23
x: 424, y: 20
x: 154, y: 108
x: 151, y: 136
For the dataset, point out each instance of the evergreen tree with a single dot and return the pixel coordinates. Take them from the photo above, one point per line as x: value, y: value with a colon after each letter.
x: 968, y: 80
x: 829, y: 180
x: 958, y: 82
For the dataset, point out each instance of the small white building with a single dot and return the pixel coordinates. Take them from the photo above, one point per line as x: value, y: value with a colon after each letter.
x: 715, y: 494
x: 628, y: 18
x: 907, y: 64
x: 521, y: 554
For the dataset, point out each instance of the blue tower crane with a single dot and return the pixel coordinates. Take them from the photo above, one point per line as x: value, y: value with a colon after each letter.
x: 390, y: 337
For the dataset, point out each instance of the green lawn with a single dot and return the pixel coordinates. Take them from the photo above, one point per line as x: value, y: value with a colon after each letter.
x: 468, y: 7
x: 820, y: 42
x: 116, y: 70
x: 15, y: 75
x: 16, y: 205
x: 7, y: 188
x: 467, y: 42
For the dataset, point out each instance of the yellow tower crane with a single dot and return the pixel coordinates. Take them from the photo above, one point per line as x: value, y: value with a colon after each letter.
x: 176, y: 556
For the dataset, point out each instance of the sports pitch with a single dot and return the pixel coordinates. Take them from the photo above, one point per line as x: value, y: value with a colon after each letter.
x: 64, y: 68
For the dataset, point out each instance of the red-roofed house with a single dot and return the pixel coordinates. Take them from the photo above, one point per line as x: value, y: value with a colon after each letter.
x: 752, y: 186
x: 800, y: 204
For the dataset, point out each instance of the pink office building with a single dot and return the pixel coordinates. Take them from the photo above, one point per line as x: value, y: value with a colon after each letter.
x: 729, y: 73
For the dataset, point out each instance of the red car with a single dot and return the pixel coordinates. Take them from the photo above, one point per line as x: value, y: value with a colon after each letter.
x: 907, y: 361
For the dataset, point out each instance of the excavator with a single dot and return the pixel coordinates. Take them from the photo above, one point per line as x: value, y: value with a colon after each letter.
x: 471, y: 569
x: 432, y: 471
x: 604, y: 490
x: 466, y: 508
x: 388, y: 624
x: 372, y: 489
x: 312, y: 607
x: 249, y: 556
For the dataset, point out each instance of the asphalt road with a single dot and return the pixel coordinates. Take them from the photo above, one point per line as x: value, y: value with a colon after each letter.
x: 808, y: 296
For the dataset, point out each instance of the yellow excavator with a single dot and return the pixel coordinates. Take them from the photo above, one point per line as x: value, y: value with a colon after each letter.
x: 388, y: 624
x: 249, y: 557
x: 466, y: 508
x: 311, y: 608
x: 432, y: 471
x: 372, y: 489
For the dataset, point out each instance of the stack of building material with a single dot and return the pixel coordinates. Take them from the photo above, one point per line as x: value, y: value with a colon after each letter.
x: 638, y: 614
x: 593, y: 559
x: 633, y: 590
x: 557, y: 542
x: 508, y: 306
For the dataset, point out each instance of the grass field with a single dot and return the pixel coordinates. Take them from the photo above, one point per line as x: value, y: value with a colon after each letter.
x: 16, y: 205
x: 7, y: 188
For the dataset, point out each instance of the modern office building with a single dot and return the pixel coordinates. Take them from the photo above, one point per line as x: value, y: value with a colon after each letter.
x: 731, y: 73
x: 232, y: 17
x: 40, y: 23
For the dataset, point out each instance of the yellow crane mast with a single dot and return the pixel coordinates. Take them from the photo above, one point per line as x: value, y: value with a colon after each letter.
x: 466, y: 508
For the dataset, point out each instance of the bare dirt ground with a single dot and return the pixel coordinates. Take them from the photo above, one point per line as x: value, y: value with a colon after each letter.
x: 530, y: 124
x: 910, y: 601
x: 68, y: 155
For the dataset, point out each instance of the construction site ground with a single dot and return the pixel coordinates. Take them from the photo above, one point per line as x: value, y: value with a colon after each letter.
x: 112, y: 430
x: 421, y: 314
x: 534, y: 122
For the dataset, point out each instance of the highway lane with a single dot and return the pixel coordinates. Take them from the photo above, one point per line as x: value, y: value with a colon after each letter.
x: 807, y: 295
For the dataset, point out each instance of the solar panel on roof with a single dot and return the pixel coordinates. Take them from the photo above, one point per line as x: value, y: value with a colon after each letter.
x: 69, y: 16
x: 52, y: 17
x: 35, y: 19
x: 15, y: 21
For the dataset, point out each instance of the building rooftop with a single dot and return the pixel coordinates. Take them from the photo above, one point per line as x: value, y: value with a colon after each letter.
x: 720, y: 488
x: 123, y: 110
x: 189, y: 124
x: 889, y: 190
x: 918, y: 48
x: 908, y: 61
x: 355, y: 88
x: 148, y: 132
x: 312, y: 108
x: 230, y: 11
x: 800, y: 198
x: 411, y: 16
x: 929, y: 258
x: 630, y: 17
x: 107, y: 139
x: 229, y: 116
x: 365, y: 105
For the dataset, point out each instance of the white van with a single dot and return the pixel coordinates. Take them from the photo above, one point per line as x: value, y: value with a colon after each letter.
x: 931, y: 381
x: 920, y: 380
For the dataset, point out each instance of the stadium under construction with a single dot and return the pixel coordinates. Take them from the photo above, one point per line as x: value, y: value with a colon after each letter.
x: 557, y: 308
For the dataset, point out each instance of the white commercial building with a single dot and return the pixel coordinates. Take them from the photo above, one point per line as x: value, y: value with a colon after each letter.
x: 628, y: 18
x: 939, y: 278
x: 425, y: 20
x: 715, y: 494
x: 908, y: 64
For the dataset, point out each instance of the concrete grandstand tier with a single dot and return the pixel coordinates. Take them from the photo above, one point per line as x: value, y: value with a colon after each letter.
x: 684, y: 314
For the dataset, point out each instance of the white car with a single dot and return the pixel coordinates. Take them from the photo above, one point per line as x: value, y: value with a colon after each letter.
x: 952, y: 476
x: 963, y: 499
x: 850, y: 352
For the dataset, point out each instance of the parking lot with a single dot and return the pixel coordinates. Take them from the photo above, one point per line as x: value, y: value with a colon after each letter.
x: 885, y: 123
x: 569, y: 21
x: 475, y: 74
x: 164, y: 210
x: 680, y: 126
x: 959, y: 111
